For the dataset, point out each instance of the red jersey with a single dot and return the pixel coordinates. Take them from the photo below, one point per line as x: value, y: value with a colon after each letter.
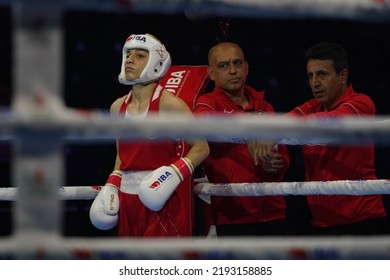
x: 150, y: 153
x: 330, y: 163
x: 232, y: 163
x: 175, y: 218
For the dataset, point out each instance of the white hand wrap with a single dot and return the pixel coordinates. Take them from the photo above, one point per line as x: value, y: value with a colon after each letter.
x: 104, y: 209
x: 158, y: 186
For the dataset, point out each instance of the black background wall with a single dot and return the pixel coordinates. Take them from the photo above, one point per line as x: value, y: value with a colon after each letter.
x: 274, y: 49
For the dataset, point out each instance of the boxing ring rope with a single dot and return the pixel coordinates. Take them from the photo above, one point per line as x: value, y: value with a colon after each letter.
x: 248, y: 248
x: 340, y: 187
x: 346, y: 187
x: 94, y: 126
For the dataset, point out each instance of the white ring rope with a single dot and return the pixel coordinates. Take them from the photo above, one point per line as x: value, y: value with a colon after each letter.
x: 340, y: 187
x: 96, y: 125
x: 347, y: 187
x: 265, y: 248
x: 64, y: 193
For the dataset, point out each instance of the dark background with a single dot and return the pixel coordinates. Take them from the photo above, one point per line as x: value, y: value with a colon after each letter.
x: 274, y: 49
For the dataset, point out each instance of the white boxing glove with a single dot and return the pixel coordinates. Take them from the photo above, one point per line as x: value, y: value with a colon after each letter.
x: 104, y: 209
x: 157, y: 187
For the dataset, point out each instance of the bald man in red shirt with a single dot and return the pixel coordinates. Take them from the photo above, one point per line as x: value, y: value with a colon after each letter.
x: 231, y: 162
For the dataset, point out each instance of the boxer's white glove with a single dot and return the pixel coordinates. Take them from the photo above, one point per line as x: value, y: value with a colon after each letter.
x: 104, y: 209
x: 157, y: 187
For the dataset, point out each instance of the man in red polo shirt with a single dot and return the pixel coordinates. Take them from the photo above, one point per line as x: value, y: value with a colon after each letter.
x: 231, y: 162
x: 327, y: 70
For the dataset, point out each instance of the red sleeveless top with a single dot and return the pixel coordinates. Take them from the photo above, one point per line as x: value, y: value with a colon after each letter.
x: 152, y: 152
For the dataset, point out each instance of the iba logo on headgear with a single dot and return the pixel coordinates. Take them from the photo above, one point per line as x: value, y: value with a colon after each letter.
x: 160, y: 180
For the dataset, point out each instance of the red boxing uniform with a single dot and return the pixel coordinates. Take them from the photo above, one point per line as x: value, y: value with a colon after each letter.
x: 139, y: 158
x: 232, y: 163
x: 330, y: 163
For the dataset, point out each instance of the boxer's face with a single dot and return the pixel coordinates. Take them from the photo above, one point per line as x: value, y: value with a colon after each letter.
x: 228, y: 68
x: 136, y: 60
